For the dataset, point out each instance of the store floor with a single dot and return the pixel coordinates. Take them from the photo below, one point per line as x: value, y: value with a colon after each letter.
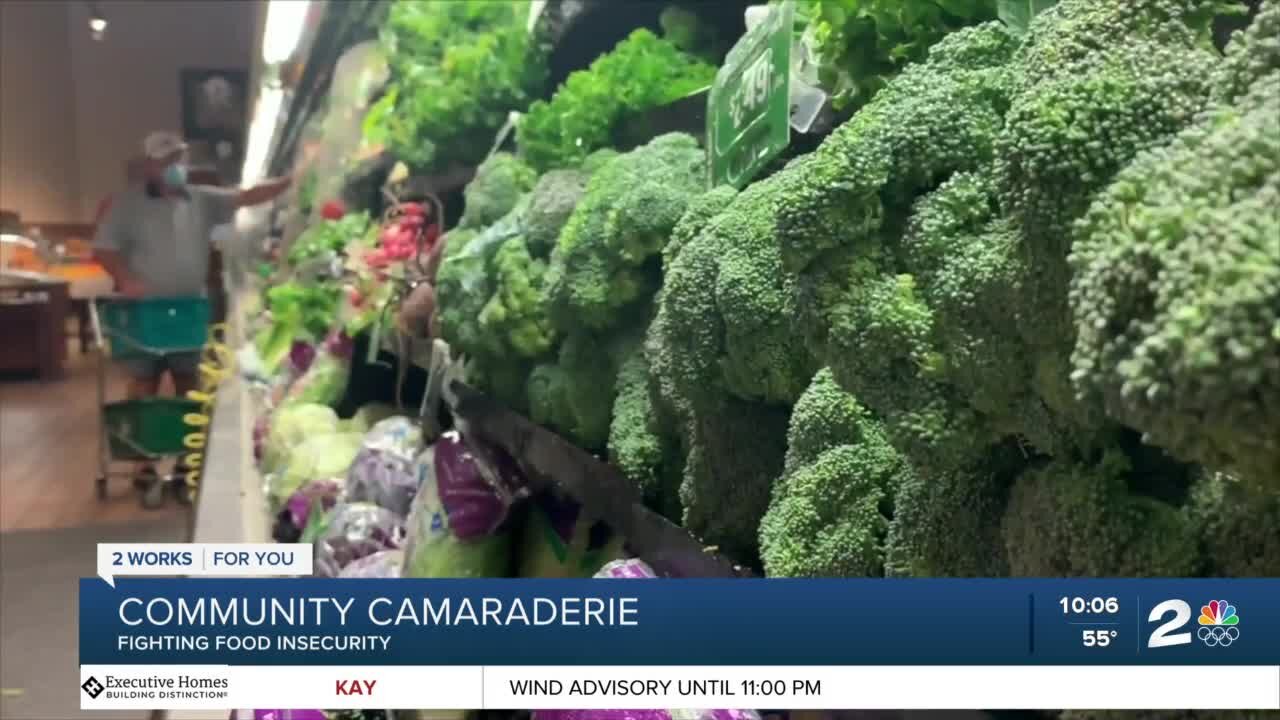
x: 50, y: 522
x: 48, y: 453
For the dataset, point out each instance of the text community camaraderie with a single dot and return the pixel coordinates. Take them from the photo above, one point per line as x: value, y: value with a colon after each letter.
x: 334, y: 611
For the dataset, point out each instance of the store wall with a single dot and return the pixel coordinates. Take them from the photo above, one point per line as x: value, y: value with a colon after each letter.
x: 127, y: 85
x: 39, y: 174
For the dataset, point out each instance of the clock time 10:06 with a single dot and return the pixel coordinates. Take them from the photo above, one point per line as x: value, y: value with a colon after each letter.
x: 1089, y: 606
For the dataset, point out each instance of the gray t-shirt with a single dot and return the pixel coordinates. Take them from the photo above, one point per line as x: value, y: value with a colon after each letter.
x: 166, y: 241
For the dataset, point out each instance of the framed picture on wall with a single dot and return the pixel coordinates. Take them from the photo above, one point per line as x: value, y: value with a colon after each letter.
x: 214, y: 104
x: 215, y: 114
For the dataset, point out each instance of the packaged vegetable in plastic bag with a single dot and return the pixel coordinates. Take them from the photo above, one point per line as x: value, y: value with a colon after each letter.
x: 316, y: 458
x: 314, y: 498
x: 560, y: 543
x: 630, y: 568
x: 325, y: 380
x: 383, y: 471
x: 353, y: 531
x: 458, y: 525
x: 368, y: 416
x: 290, y: 426
x: 385, y: 564
x: 278, y: 715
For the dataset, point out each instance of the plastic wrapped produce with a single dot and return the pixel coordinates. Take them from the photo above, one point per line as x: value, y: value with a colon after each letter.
x: 314, y: 498
x: 458, y: 525
x: 601, y: 715
x: 560, y: 543
x: 318, y: 457
x: 383, y: 471
x: 368, y: 416
x: 645, y: 715
x: 325, y: 380
x: 385, y: 564
x: 290, y: 426
x: 630, y: 568
x: 353, y: 531
x: 278, y: 715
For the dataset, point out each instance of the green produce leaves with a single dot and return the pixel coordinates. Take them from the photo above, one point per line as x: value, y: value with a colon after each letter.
x: 1018, y: 14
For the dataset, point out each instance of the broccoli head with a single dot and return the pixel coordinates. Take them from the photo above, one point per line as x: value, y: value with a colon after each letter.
x: 574, y: 395
x: 726, y: 313
x: 1070, y: 519
x: 1177, y: 290
x: 516, y: 317
x: 829, y: 512
x: 735, y: 452
x: 946, y: 521
x: 550, y: 204
x: 1239, y: 526
x: 499, y: 183
x: 607, y: 257
x: 640, y: 445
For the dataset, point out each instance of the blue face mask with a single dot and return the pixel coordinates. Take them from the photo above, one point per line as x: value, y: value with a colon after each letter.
x: 175, y: 176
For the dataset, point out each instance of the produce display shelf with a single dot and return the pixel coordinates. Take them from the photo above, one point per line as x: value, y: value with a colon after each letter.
x: 230, y: 506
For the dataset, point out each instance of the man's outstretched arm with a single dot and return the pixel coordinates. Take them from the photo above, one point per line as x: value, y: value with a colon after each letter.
x: 265, y: 191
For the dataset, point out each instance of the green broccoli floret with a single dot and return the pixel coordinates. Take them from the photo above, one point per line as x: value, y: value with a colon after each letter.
x: 500, y: 181
x: 1070, y: 519
x: 1239, y: 526
x: 726, y: 315
x: 946, y: 522
x: 574, y: 395
x: 462, y: 289
x: 1177, y: 290
x: 606, y: 260
x: 938, y: 117
x: 516, y: 316
x: 829, y: 512
x: 735, y: 452
x: 550, y: 204
x: 645, y: 450
x: 1251, y: 55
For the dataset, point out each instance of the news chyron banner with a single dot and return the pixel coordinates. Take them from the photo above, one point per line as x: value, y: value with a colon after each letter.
x: 278, y: 641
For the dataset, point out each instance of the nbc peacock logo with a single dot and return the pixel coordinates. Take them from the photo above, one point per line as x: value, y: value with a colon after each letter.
x: 1219, y: 624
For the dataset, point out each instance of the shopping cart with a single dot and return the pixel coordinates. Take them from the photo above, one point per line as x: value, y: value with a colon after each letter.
x: 149, y: 429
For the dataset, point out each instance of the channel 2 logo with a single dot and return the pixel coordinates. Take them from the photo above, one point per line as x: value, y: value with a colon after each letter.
x: 1219, y: 624
x: 92, y: 687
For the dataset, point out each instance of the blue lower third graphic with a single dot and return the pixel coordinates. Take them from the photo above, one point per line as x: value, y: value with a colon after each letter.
x: 679, y: 622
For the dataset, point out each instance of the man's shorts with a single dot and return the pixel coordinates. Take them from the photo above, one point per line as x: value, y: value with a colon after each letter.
x: 154, y: 366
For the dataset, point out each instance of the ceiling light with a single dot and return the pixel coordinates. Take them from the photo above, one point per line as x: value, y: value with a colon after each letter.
x: 285, y: 21
x: 97, y: 22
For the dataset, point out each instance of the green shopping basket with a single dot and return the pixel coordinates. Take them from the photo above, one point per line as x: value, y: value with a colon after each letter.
x: 138, y: 328
x: 148, y: 428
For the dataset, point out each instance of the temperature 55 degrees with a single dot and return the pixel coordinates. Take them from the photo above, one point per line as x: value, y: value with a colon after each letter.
x: 1099, y: 638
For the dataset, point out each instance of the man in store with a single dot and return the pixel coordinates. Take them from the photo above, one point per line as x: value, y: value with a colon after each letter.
x: 155, y: 241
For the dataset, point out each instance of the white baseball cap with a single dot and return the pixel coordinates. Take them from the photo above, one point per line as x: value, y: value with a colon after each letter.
x: 160, y: 145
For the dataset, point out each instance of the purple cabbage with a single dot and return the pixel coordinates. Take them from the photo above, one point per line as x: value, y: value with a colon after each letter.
x: 385, y: 564
x: 301, y: 355
x: 353, y: 531
x: 477, y: 487
x: 383, y: 471
x: 626, y: 569
x: 282, y: 715
x: 601, y: 715
x: 339, y: 344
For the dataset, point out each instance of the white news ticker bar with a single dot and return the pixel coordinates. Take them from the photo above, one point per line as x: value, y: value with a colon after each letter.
x: 796, y: 688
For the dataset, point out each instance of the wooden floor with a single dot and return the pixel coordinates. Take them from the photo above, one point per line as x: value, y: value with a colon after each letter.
x: 48, y: 453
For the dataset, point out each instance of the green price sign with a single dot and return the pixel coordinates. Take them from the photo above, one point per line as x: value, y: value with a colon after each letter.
x: 749, y: 108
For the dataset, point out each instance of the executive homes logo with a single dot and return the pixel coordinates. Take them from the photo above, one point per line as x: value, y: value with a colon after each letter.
x: 92, y: 687
x: 156, y: 687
